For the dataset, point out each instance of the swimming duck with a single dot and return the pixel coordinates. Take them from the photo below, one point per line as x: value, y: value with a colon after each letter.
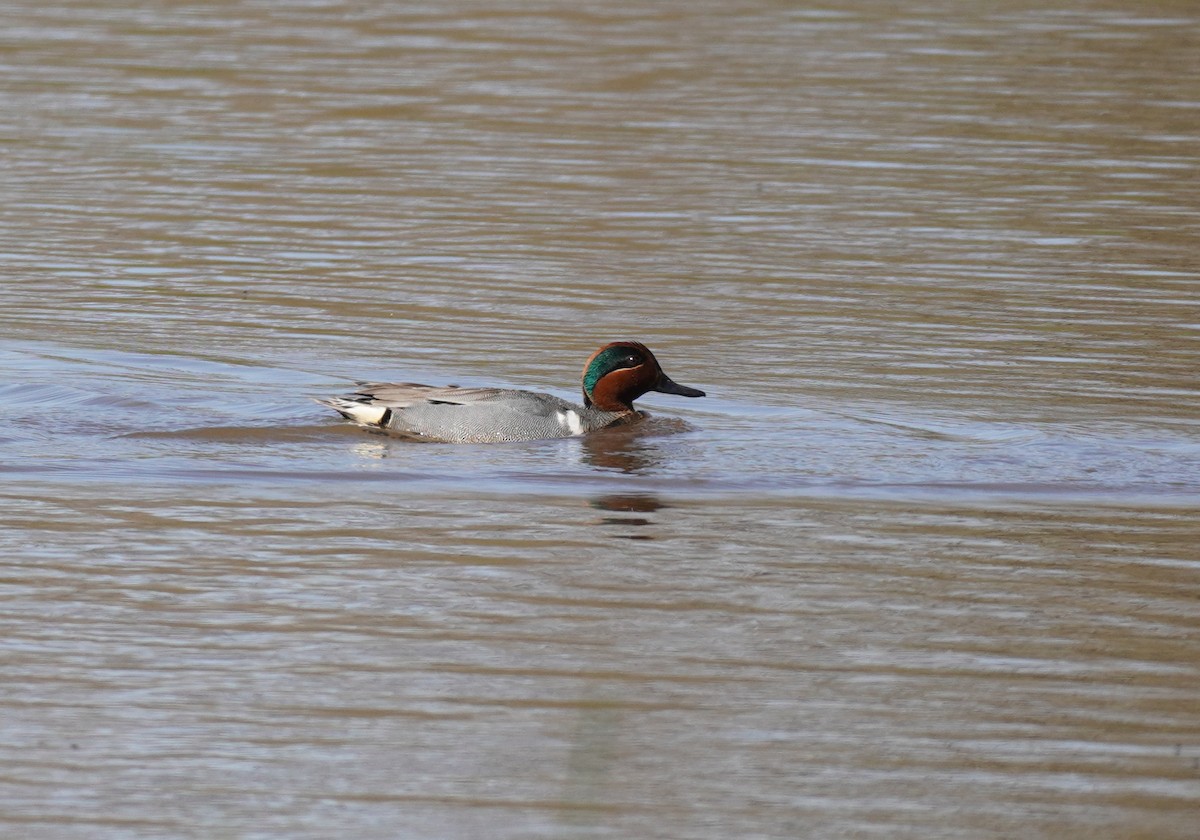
x: 614, y: 376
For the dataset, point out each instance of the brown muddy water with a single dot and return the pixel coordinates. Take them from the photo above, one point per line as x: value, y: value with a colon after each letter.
x: 923, y: 564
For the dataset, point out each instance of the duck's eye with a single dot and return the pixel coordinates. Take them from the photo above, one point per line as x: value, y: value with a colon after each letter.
x: 633, y: 360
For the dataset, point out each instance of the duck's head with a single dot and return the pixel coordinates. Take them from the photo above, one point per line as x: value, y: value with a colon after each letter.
x: 619, y: 373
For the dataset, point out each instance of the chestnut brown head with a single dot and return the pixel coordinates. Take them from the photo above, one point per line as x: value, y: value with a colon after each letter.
x: 620, y: 372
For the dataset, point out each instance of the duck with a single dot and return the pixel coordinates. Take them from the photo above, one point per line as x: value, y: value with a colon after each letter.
x: 613, y: 377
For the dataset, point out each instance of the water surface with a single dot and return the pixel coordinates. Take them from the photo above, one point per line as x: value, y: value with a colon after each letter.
x: 922, y: 564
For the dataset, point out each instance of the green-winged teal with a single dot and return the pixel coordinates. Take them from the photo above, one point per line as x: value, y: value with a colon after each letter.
x: 614, y: 376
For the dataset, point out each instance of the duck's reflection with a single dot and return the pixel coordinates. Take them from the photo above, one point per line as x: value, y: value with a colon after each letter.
x: 625, y: 504
x: 371, y: 449
x: 629, y: 449
x: 633, y: 450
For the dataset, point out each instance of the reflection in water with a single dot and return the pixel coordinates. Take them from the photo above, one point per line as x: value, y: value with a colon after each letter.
x: 372, y: 450
x: 628, y: 503
x: 632, y: 449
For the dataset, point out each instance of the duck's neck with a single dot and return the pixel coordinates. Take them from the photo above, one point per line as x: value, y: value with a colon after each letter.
x: 615, y: 392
